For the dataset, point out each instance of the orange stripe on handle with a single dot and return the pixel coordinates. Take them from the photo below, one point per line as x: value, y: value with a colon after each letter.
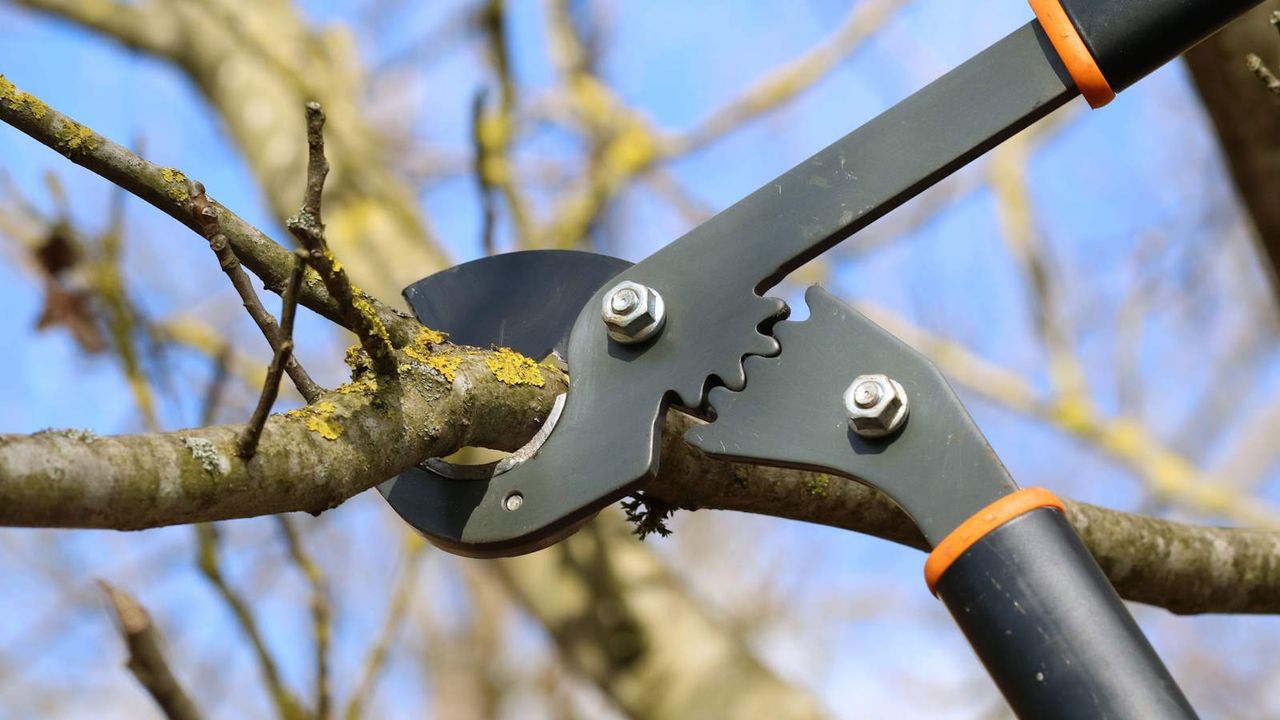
x: 1075, y: 55
x: 984, y: 521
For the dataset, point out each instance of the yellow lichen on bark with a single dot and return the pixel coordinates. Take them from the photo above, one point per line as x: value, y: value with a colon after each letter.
x: 74, y: 137
x: 16, y: 99
x: 176, y: 183
x: 367, y: 384
x: 444, y: 363
x: 512, y: 368
x: 427, y: 336
x: 319, y: 419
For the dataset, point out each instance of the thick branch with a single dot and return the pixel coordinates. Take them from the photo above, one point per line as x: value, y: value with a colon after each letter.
x: 72, y: 479
x: 309, y: 459
x: 1245, y: 116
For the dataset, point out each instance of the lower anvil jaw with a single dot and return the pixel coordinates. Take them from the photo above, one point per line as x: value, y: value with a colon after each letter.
x: 939, y: 468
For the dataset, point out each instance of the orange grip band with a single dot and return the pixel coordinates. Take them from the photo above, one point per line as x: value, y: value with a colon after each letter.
x: 984, y: 521
x: 1075, y: 55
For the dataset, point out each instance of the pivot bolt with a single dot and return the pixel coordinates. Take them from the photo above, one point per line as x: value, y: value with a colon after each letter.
x: 632, y: 312
x: 876, y: 405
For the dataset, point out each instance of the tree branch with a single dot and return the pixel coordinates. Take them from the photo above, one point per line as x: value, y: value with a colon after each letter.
x: 209, y: 559
x: 147, y: 661
x: 308, y: 227
x: 283, y: 358
x: 166, y: 189
x: 72, y: 479
x: 207, y: 220
x: 321, y: 613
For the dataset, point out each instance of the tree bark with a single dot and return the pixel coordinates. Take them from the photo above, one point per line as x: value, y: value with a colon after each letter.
x: 1246, y: 117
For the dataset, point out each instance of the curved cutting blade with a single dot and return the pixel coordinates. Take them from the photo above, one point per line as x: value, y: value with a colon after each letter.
x: 527, y: 301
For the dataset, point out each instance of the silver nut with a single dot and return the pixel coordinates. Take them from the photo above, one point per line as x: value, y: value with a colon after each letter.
x: 876, y: 405
x: 632, y: 312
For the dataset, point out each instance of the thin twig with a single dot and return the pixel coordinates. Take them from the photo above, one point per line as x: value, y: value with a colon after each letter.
x: 210, y: 226
x: 496, y: 131
x: 248, y: 444
x: 217, y: 385
x: 308, y: 228
x: 208, y: 542
x: 484, y: 161
x: 320, y: 612
x: 167, y: 190
x: 147, y: 661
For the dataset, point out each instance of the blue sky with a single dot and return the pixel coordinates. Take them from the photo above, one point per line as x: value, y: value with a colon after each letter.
x: 1102, y: 184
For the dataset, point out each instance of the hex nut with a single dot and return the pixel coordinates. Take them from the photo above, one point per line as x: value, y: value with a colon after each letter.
x: 887, y: 410
x: 632, y: 312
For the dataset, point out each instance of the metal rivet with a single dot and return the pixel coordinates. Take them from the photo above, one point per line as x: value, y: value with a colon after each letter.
x: 513, y: 502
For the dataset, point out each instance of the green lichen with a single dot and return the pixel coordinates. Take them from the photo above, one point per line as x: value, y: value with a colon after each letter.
x: 205, y: 453
x: 15, y: 99
x: 175, y: 184
x: 75, y: 138
x: 512, y: 368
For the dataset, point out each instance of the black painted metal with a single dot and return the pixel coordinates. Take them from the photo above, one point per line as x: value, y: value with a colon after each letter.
x: 526, y: 300
x: 1130, y: 38
x: 605, y: 444
x: 938, y: 468
x: 1051, y: 630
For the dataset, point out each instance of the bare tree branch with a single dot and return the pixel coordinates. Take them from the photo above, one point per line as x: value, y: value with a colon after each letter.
x: 279, y: 361
x: 209, y: 559
x: 166, y: 189
x: 358, y: 314
x: 147, y: 660
x: 376, y: 658
x: 210, y: 227
x: 376, y: 223
x: 321, y: 613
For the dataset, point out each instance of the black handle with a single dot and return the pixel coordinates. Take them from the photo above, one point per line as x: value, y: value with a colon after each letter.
x: 1130, y: 38
x: 1051, y: 630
